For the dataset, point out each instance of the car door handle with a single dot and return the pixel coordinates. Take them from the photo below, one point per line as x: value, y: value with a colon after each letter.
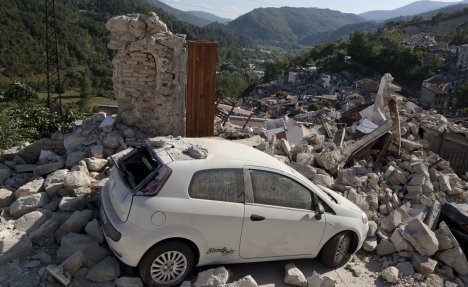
x: 255, y: 217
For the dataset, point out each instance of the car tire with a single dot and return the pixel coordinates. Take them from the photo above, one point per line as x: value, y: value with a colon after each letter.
x: 167, y: 264
x: 337, y: 250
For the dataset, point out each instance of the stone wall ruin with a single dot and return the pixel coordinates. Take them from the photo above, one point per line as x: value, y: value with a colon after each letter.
x: 149, y: 74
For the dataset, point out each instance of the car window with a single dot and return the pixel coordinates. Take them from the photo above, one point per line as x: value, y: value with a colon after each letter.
x: 275, y: 189
x: 218, y: 184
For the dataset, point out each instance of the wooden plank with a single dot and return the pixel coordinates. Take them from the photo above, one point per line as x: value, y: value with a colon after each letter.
x: 201, y: 88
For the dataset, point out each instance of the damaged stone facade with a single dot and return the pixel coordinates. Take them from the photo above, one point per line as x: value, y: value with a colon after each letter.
x: 149, y: 74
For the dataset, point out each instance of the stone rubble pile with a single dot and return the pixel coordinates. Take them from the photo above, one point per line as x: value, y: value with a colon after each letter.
x: 49, y: 227
x: 402, y: 196
x: 50, y: 232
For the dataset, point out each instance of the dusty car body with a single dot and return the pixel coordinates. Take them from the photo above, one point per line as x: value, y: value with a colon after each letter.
x: 166, y: 212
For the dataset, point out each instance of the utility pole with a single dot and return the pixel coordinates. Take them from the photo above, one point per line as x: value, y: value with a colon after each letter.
x: 54, y: 87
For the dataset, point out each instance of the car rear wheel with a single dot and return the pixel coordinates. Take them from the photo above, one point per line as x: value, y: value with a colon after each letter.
x: 337, y: 250
x: 167, y: 264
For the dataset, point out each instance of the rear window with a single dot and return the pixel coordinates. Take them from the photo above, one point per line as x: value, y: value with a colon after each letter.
x: 218, y: 184
x: 138, y: 165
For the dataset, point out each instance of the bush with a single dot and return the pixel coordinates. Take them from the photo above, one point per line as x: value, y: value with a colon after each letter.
x: 24, y: 123
x: 319, y: 105
x: 19, y: 92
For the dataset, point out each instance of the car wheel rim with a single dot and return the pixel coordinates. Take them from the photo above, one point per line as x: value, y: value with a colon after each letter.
x: 168, y: 267
x: 342, y: 250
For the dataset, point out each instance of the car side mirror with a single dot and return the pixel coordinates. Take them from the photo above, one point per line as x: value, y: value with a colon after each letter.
x: 319, y: 210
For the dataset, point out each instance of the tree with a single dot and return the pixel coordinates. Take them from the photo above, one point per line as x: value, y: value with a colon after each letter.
x: 276, y: 70
x: 19, y: 92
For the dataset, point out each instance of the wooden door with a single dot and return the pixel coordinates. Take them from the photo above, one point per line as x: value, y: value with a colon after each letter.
x: 201, y: 88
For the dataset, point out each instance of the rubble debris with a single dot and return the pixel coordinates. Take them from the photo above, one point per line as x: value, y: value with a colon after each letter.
x: 48, y: 197
x: 212, y: 277
x: 293, y: 276
x: 390, y: 274
x: 106, y: 270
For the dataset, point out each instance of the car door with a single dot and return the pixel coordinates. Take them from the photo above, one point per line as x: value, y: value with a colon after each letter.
x: 279, y: 219
x: 217, y: 210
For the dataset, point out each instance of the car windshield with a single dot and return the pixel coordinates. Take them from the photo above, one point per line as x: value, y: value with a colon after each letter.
x: 138, y: 165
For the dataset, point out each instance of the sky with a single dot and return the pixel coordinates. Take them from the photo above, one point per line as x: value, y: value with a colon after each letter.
x: 233, y: 8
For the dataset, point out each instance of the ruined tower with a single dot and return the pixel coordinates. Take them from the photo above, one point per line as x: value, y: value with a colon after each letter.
x: 149, y: 75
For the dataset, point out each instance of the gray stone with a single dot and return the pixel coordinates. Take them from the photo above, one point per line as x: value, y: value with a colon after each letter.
x: 96, y: 151
x: 328, y: 160
x: 72, y: 141
x: 44, y: 233
x: 95, y: 164
x: 4, y: 175
x: 48, y: 156
x: 417, y: 179
x: 29, y: 203
x: 394, y: 219
x: 212, y: 277
x: 370, y: 244
x: 421, y: 237
x: 305, y: 159
x: 410, y: 145
x: 414, y: 189
x: 74, y: 224
x: 293, y: 276
x: 30, y: 188
x: 93, y: 229
x: 76, y: 179
x: 80, y: 273
x: 74, y: 157
x: 13, y: 245
x: 390, y: 274
x: 20, y: 168
x: 423, y: 264
x: 112, y: 140
x: 73, y: 262
x: 445, y: 237
x: 405, y: 268
x: 456, y: 259
x: 385, y: 247
x: 444, y: 183
x: 400, y: 243
x: 80, y: 167
x: 57, y: 273
x: 30, y: 221
x: 432, y: 218
x: 247, y: 281
x: 323, y: 179
x: 197, y: 152
x: 128, y: 282
x: 55, y: 181
x: 73, y: 242
x: 48, y: 168
x: 371, y: 232
x: 72, y: 203
x: 107, y: 125
x: 6, y: 197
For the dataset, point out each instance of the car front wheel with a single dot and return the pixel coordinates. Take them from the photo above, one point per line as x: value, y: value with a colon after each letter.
x: 167, y: 264
x: 337, y: 250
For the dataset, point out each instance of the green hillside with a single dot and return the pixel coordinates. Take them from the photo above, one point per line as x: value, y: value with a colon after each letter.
x: 289, y: 26
x: 82, y: 40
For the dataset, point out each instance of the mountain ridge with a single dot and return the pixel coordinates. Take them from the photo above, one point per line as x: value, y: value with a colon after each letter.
x: 288, y: 26
x: 414, y: 8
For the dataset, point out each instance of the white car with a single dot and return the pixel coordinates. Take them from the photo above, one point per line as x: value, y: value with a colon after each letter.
x: 167, y: 213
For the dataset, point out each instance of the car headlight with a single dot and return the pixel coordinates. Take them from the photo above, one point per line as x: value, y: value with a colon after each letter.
x: 364, y: 218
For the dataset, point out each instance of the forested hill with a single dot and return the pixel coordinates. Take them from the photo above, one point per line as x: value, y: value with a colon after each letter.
x: 288, y: 26
x: 82, y: 39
